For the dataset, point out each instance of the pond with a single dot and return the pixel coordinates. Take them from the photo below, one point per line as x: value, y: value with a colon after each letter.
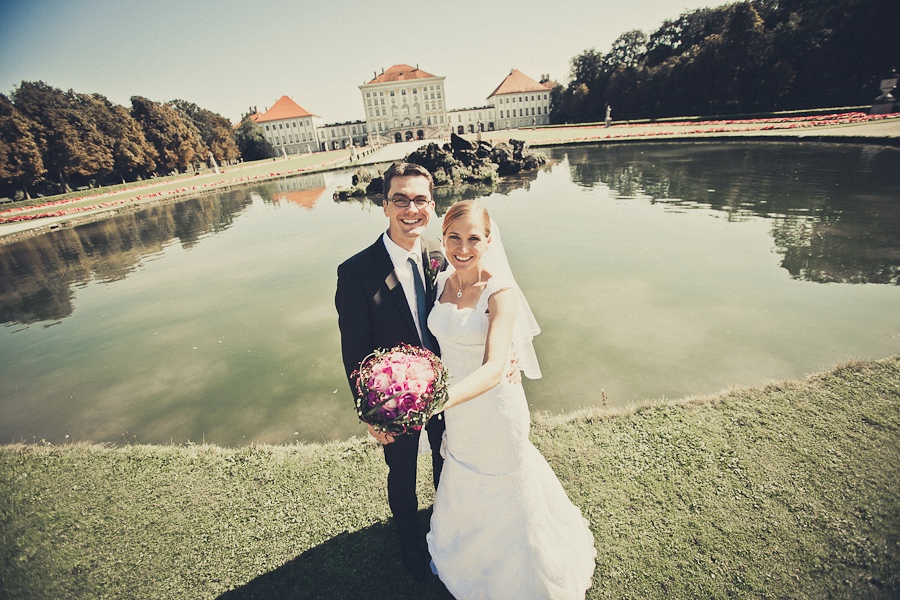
x: 655, y: 270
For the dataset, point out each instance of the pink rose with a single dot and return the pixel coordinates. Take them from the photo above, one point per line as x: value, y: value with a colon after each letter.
x: 380, y: 382
x: 381, y: 367
x: 417, y: 386
x: 421, y: 372
x: 399, y: 388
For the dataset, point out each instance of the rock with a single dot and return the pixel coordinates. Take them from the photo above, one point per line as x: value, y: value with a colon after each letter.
x: 457, y: 143
x: 458, y: 162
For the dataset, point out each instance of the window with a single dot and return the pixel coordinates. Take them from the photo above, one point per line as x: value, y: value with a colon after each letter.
x: 367, y: 94
x: 392, y: 92
x: 402, y: 92
x: 267, y: 127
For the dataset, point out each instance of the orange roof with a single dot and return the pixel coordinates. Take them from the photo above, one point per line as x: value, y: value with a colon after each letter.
x: 517, y: 82
x: 285, y: 108
x: 401, y: 73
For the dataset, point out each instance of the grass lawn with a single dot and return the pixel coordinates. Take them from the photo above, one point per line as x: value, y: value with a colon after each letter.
x: 785, y: 491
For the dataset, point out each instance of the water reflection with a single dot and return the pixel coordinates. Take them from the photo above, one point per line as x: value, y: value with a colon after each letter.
x: 304, y: 190
x: 37, y: 275
x: 832, y: 208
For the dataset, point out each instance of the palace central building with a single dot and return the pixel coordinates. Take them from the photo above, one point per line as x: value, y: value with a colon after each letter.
x: 404, y: 103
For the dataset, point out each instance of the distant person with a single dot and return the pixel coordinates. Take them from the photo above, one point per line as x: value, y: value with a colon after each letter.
x: 377, y: 300
x: 608, y: 115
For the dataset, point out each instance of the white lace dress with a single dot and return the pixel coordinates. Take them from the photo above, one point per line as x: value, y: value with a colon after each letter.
x: 502, y: 525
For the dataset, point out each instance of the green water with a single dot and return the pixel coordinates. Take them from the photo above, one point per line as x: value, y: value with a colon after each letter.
x: 655, y: 271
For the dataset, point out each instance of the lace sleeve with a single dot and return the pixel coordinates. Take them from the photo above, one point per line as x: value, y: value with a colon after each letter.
x: 494, y: 285
x: 439, y: 283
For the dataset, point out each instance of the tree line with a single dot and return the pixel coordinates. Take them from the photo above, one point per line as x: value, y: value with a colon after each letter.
x: 53, y: 141
x: 745, y: 57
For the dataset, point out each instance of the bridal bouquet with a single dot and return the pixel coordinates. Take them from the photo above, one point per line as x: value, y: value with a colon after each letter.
x: 400, y: 389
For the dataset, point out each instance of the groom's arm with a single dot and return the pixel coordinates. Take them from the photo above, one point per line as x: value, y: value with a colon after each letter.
x: 353, y: 320
x: 355, y: 323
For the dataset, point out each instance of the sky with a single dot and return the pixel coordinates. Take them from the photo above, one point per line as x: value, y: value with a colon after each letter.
x: 228, y: 56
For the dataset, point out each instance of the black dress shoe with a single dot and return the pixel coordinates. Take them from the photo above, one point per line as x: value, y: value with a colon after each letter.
x: 416, y: 563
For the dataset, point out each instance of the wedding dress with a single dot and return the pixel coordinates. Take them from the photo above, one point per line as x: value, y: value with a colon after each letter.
x: 502, y: 525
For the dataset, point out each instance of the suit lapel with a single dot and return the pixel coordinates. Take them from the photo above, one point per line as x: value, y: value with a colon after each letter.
x: 385, y: 271
x: 430, y: 253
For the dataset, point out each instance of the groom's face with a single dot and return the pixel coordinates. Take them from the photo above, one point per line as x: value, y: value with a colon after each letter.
x: 408, y: 222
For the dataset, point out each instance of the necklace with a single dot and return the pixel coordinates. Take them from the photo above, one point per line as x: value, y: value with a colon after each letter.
x: 461, y: 287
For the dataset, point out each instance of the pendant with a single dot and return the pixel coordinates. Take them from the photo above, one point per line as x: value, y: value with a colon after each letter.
x: 459, y: 294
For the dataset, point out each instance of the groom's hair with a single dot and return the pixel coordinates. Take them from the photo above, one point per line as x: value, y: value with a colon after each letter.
x: 405, y: 169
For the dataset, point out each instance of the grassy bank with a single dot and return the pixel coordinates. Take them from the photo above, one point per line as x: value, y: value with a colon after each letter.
x: 786, y: 491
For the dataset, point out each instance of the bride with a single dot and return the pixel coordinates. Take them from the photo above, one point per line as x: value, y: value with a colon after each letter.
x: 502, y: 525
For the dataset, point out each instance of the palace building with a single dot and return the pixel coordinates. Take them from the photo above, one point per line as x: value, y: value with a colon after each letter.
x: 404, y: 103
x: 343, y: 135
x: 290, y: 128
x: 520, y: 101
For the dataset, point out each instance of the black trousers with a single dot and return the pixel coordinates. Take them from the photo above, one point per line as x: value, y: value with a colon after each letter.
x: 400, y: 456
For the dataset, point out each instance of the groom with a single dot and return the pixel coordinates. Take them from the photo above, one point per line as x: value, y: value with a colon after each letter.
x: 384, y: 295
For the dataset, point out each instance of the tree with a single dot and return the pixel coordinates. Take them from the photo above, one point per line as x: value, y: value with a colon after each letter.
x: 72, y: 148
x: 133, y: 156
x: 215, y: 130
x: 627, y: 51
x: 177, y: 142
x: 21, y: 165
x: 251, y: 141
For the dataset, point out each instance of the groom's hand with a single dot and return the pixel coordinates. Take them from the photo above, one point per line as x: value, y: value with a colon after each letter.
x: 514, y: 375
x: 381, y: 437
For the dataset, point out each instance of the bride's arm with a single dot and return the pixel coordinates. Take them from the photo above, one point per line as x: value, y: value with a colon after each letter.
x: 502, y: 315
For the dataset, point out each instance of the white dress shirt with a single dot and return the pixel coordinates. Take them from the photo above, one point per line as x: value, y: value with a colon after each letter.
x: 399, y: 257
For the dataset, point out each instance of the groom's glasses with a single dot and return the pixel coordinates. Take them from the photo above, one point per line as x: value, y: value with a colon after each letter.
x: 401, y: 202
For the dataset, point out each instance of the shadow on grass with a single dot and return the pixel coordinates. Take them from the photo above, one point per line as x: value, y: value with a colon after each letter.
x: 362, y: 564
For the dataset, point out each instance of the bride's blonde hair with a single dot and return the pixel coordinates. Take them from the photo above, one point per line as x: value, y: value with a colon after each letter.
x: 467, y: 209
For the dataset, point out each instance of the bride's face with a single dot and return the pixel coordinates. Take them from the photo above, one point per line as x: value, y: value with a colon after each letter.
x: 465, y: 242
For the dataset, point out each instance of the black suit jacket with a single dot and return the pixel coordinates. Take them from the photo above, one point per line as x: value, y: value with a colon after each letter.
x: 371, y: 304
